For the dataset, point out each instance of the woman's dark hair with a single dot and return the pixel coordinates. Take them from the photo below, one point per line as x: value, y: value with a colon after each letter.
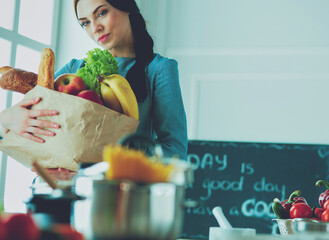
x: 143, y: 46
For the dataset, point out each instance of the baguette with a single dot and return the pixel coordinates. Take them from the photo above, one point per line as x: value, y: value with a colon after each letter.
x: 17, y: 80
x: 46, y: 72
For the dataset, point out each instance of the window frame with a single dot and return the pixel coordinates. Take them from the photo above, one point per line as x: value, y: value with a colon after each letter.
x: 17, y: 39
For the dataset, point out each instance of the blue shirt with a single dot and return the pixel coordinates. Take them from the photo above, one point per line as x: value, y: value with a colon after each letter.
x: 161, y: 114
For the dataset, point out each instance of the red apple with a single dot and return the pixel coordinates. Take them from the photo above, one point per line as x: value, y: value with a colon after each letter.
x: 69, y: 83
x: 90, y: 95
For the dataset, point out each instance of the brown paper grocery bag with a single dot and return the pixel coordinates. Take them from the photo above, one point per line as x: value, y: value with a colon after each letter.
x: 86, y: 127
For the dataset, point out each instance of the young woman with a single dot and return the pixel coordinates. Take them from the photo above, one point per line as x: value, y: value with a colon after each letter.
x: 118, y: 26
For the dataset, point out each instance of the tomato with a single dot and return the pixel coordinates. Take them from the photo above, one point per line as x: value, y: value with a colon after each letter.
x: 21, y: 226
x: 326, y: 204
x: 300, y: 210
x: 325, y: 216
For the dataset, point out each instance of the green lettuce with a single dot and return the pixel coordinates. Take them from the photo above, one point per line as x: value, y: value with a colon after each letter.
x: 97, y: 62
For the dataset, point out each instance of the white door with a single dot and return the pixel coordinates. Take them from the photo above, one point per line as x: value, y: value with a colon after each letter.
x: 250, y: 70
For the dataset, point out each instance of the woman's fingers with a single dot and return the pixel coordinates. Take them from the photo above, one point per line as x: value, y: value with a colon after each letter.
x: 28, y: 102
x: 39, y: 131
x: 61, y: 173
x: 36, y: 113
x: 24, y: 122
x: 43, y: 124
x: 34, y: 129
x: 32, y: 137
x: 66, y: 171
x: 41, y: 113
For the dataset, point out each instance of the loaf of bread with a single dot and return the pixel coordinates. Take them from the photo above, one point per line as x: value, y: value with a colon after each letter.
x: 46, y: 72
x: 17, y: 80
x: 22, y: 81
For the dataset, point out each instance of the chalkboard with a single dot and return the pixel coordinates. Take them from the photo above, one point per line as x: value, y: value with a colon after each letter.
x: 244, y: 178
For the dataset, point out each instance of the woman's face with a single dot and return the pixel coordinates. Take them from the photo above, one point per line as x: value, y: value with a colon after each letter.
x: 107, y: 26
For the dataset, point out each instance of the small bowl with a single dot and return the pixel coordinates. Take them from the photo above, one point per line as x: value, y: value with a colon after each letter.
x: 234, y: 233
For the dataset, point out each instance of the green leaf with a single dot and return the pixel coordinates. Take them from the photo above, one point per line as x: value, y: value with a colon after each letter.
x: 97, y: 62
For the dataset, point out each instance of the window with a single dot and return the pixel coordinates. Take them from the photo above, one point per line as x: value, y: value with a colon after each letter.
x: 26, y: 27
x: 6, y: 14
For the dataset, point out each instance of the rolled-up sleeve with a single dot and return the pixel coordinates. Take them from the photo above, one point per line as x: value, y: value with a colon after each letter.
x: 70, y: 67
x: 168, y: 109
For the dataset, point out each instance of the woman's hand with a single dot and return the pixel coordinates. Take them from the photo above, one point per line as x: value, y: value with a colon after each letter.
x: 61, y: 174
x: 22, y: 121
x: 58, y: 174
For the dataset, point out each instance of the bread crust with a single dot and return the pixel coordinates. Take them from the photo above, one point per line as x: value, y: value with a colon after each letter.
x: 18, y: 80
x: 46, y: 73
x: 5, y: 69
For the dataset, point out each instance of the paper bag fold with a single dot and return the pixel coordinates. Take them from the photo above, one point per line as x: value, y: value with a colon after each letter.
x: 86, y: 127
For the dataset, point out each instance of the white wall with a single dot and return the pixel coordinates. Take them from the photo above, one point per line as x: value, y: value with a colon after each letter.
x: 250, y: 70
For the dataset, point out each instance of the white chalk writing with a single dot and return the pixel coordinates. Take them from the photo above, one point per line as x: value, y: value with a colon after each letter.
x: 208, y: 161
x: 259, y: 209
x: 247, y: 168
x: 263, y: 186
x: 224, y: 185
x: 201, y: 210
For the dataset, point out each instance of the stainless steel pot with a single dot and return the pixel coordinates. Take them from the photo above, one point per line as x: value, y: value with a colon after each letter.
x: 131, y: 210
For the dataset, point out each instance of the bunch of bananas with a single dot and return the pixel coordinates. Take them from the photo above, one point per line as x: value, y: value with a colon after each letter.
x: 118, y: 95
